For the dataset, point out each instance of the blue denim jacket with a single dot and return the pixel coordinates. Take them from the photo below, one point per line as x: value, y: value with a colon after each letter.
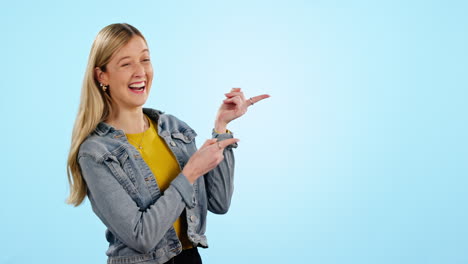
x: 124, y: 193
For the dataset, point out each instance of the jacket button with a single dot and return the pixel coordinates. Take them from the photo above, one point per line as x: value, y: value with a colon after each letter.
x: 193, y: 218
x: 172, y: 143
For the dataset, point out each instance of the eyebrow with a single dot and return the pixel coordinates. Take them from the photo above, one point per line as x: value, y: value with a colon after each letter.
x: 126, y: 57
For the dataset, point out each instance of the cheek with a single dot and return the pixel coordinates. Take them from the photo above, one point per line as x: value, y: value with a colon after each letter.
x: 149, y: 74
x: 149, y: 71
x: 120, y: 78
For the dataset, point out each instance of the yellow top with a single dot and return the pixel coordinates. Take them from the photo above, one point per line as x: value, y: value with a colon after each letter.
x: 163, y: 165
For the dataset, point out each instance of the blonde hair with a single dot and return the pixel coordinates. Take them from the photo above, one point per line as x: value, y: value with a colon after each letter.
x: 95, y: 104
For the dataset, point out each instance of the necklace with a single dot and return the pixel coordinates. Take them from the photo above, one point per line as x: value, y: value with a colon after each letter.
x: 142, y: 136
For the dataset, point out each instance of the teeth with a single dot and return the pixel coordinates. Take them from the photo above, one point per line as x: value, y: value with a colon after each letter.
x: 137, y: 85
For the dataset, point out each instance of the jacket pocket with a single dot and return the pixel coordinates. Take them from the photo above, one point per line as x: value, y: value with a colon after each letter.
x: 187, y: 136
x: 185, y: 141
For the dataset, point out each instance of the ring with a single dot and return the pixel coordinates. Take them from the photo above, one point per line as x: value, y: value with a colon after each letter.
x: 219, y: 146
x: 251, y: 102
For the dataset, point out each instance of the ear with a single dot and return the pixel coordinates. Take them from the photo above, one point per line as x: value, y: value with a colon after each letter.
x: 101, y: 76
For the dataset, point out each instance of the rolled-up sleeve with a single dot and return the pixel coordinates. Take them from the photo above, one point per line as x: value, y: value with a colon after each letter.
x: 220, y: 181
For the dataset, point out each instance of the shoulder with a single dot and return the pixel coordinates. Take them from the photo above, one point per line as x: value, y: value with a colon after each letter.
x: 167, y: 121
x: 97, y: 147
x: 173, y: 121
x: 92, y: 146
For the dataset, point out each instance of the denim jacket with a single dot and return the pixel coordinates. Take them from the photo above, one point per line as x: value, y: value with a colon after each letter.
x: 124, y: 193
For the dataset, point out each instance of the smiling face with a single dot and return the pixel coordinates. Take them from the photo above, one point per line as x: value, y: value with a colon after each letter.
x: 129, y: 75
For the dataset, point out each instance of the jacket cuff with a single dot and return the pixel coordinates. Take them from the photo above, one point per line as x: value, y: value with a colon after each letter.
x: 224, y: 136
x: 185, y: 189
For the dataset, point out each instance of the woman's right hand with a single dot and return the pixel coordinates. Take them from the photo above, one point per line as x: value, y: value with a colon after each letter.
x: 206, y: 158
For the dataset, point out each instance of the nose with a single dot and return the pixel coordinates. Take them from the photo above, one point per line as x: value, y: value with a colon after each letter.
x: 139, y: 70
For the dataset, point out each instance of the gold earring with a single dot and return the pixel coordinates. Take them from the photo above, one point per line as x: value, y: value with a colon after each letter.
x: 104, y: 87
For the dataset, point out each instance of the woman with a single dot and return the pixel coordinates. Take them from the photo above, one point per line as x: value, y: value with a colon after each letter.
x: 139, y: 167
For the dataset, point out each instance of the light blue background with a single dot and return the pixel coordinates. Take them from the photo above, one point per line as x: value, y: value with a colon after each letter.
x: 359, y: 156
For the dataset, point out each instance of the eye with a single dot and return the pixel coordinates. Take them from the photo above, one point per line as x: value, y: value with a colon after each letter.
x: 146, y: 60
x: 126, y: 64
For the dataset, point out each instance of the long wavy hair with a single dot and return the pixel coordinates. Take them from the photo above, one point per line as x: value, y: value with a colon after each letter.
x: 95, y: 104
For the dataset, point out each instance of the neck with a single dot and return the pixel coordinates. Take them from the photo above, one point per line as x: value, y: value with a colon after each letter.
x: 130, y: 121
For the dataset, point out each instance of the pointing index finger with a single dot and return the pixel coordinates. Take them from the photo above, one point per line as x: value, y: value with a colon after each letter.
x: 258, y: 98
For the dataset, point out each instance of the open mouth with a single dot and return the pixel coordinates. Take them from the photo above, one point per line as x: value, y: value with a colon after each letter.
x: 137, y: 87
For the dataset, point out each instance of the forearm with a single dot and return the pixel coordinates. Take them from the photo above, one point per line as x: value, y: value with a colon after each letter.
x: 220, y: 181
x: 141, y: 230
x: 220, y: 127
x: 138, y: 229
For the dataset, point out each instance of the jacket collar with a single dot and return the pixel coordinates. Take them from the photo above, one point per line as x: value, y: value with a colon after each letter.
x: 103, y: 128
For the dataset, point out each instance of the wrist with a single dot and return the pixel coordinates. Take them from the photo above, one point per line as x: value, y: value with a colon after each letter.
x: 220, y: 128
x: 189, y: 175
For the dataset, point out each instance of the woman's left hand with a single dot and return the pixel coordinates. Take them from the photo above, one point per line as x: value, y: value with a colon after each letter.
x: 234, y: 106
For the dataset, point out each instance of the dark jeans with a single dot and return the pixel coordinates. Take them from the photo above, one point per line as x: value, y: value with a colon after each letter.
x: 187, y: 256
